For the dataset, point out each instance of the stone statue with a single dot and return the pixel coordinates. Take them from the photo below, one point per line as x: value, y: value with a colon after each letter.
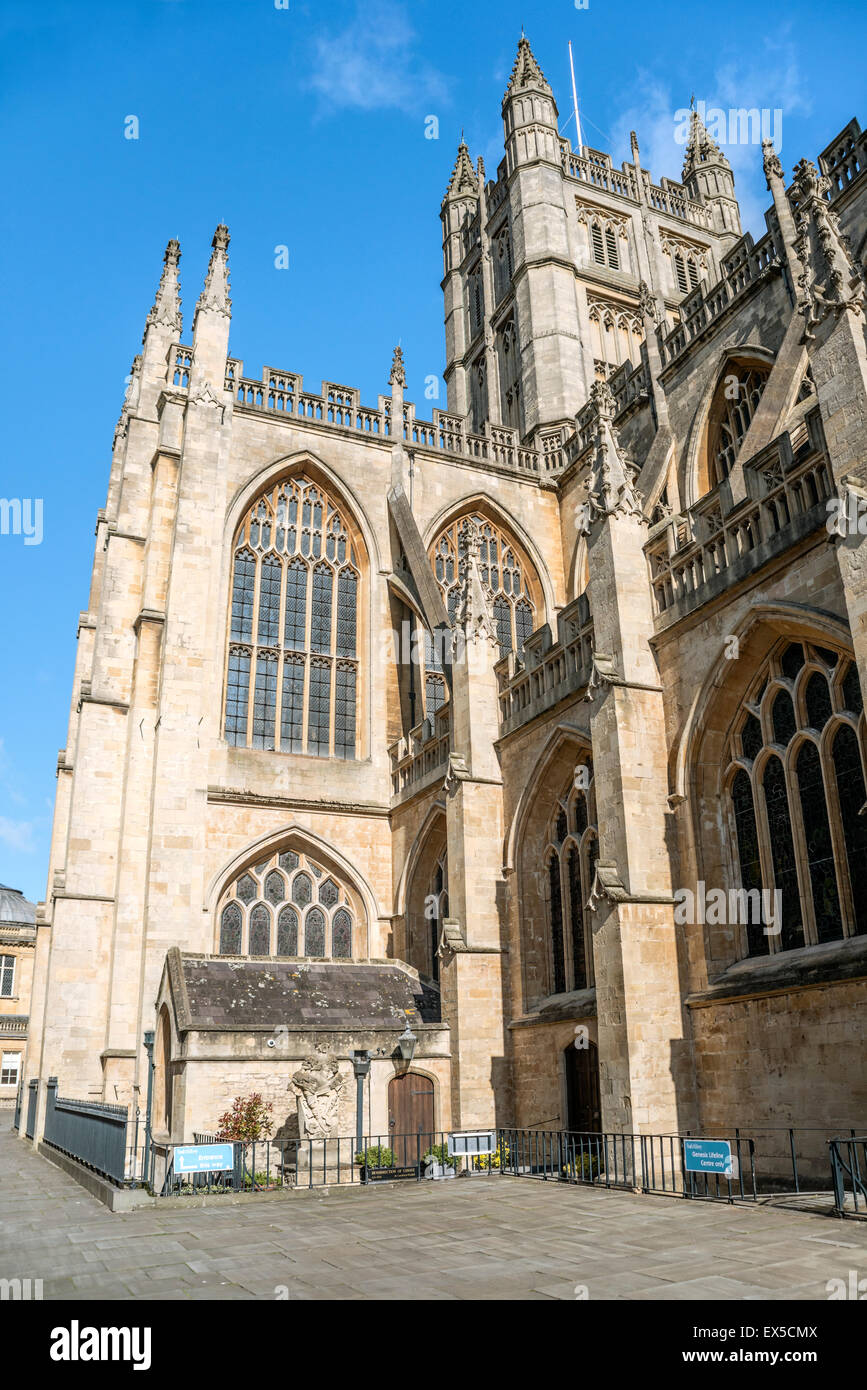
x: 319, y: 1088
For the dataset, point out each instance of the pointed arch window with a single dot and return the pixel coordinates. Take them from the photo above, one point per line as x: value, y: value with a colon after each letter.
x: 292, y: 678
x: 733, y: 407
x: 285, y: 904
x: 511, y: 579
x: 571, y: 864
x: 796, y: 787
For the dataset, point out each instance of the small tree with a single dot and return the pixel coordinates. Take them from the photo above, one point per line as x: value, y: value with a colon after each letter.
x: 248, y: 1121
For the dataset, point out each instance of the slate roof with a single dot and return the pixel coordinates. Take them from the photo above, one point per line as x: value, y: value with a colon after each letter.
x: 220, y: 993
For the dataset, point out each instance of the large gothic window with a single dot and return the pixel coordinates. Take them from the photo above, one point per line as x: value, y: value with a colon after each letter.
x: 570, y: 864
x: 287, y: 905
x: 292, y: 672
x: 734, y: 405
x: 796, y: 792
x: 507, y: 572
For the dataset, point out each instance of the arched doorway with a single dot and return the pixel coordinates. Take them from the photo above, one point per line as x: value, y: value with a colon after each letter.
x: 583, y: 1108
x: 410, y: 1116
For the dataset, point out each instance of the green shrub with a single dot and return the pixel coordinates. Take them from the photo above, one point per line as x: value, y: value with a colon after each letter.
x: 377, y: 1156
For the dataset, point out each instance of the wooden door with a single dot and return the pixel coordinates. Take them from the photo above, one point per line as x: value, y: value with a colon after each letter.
x: 584, y: 1112
x: 410, y: 1116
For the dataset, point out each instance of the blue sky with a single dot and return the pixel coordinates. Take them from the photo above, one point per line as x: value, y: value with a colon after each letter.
x: 301, y: 126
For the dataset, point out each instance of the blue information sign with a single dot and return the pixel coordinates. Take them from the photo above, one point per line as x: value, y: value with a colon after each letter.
x: 709, y: 1156
x: 204, y: 1158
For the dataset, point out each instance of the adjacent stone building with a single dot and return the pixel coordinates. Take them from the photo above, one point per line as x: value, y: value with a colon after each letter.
x: 17, y: 950
x: 500, y: 722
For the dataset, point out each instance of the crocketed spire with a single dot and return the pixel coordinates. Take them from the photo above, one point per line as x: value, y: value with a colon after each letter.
x: 463, y: 180
x: 166, y: 309
x: 215, y: 295
x: 526, y: 72
x: 701, y: 149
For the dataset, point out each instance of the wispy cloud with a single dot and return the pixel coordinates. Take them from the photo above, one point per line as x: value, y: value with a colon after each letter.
x: 17, y: 835
x: 771, y: 81
x: 374, y: 64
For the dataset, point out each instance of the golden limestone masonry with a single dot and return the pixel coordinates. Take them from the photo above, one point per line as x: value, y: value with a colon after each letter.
x: 537, y: 725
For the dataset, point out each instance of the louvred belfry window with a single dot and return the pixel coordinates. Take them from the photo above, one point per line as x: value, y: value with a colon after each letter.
x: 292, y: 678
x: 796, y: 789
x: 507, y: 573
x: 287, y: 905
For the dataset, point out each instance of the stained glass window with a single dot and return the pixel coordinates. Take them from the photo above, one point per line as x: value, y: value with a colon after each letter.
x: 514, y: 587
x: 783, y: 717
x: 749, y: 858
x: 292, y: 707
x: 237, y: 694
x: 284, y: 881
x: 344, y: 712
x: 302, y: 890
x: 341, y: 935
x: 260, y: 931
x: 287, y: 932
x: 576, y: 912
x: 243, y: 590
x: 783, y: 853
x: 295, y: 590
x: 230, y: 930
x: 792, y: 660
x: 314, y: 933
x: 818, y: 701
x: 852, y: 698
x: 810, y: 805
x: 275, y: 887
x: 556, y: 910
x: 319, y: 710
x: 329, y: 892
x: 817, y: 833
x: 246, y: 888
x: 751, y: 737
x: 295, y: 629
x: 265, y: 701
x: 852, y: 797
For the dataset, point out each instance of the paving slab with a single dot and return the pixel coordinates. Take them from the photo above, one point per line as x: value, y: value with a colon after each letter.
x: 507, y: 1238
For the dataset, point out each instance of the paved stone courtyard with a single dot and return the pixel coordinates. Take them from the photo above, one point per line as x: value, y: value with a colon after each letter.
x: 488, y: 1238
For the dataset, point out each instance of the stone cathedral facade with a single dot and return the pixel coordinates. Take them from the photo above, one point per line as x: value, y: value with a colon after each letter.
x: 499, y: 722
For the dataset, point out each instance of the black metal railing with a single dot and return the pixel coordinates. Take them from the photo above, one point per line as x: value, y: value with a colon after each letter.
x: 269, y: 1166
x: 849, y: 1174
x: 637, y: 1162
x: 16, y: 1123
x: 103, y: 1137
x: 32, y: 1099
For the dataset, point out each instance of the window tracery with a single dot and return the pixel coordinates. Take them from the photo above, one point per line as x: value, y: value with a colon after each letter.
x: 292, y: 670
x: 796, y: 786
x: 287, y: 905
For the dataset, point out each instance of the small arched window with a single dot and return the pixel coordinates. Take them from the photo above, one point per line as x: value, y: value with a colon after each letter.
x: 285, y: 905
x: 292, y: 669
x: 796, y: 787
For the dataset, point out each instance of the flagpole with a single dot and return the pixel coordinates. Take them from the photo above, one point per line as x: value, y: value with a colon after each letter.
x: 575, y: 99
